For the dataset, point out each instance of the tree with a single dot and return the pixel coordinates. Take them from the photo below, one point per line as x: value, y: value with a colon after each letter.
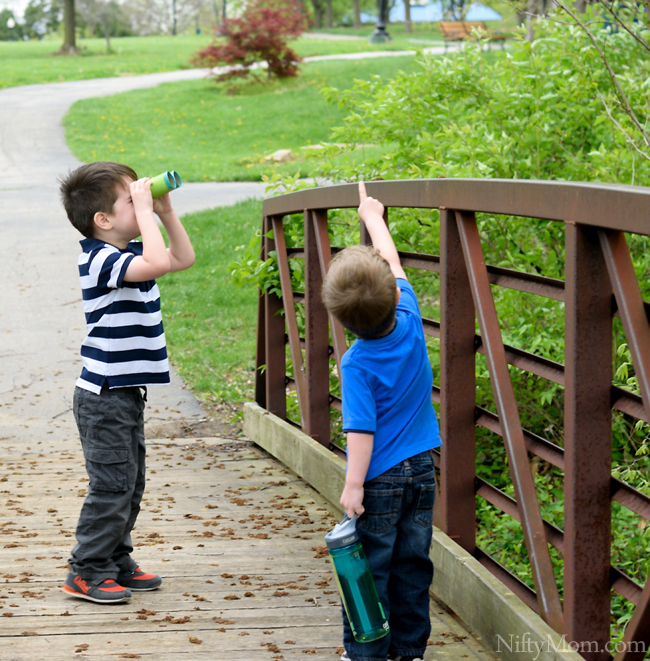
x: 42, y: 17
x: 319, y: 12
x: 456, y: 10
x: 356, y: 14
x: 104, y: 15
x: 407, y: 16
x: 158, y: 16
x: 329, y: 14
x: 10, y: 29
x: 69, y: 46
x: 261, y: 34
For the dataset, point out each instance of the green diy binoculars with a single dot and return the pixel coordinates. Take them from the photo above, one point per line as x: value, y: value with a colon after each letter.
x: 165, y: 183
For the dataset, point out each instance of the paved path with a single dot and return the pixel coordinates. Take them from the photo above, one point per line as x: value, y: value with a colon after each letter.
x: 41, y: 320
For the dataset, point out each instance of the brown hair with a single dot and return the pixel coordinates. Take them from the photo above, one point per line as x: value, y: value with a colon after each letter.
x: 359, y: 290
x: 92, y: 188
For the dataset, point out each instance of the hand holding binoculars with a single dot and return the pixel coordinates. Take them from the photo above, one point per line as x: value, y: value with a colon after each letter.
x: 165, y: 183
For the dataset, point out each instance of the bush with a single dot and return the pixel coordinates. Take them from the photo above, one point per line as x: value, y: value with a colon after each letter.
x: 260, y: 35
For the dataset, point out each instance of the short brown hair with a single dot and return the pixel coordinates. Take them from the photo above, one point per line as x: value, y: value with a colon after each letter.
x: 92, y: 188
x: 359, y: 290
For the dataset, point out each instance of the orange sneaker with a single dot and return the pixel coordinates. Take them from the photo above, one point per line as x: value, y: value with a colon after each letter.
x: 138, y: 581
x: 104, y: 591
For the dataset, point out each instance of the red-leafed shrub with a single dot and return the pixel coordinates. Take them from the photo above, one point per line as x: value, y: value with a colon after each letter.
x: 259, y: 35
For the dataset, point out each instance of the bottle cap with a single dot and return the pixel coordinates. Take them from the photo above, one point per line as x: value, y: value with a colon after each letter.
x: 343, y: 534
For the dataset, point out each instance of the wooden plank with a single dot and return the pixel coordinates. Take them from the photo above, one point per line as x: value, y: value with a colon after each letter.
x: 236, y: 536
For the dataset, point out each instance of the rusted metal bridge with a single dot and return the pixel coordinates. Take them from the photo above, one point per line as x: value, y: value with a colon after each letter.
x: 600, y: 283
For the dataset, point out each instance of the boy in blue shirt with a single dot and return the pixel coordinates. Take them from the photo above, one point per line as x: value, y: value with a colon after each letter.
x: 391, y: 428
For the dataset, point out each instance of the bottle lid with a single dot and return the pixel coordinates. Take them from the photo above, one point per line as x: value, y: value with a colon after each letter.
x: 343, y: 534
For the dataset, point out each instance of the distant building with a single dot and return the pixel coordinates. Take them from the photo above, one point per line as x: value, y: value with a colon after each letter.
x: 426, y: 11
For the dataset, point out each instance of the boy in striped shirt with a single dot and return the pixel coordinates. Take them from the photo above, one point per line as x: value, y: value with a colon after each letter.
x: 124, y: 351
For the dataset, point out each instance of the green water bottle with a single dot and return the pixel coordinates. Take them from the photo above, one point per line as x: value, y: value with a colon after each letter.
x: 356, y: 583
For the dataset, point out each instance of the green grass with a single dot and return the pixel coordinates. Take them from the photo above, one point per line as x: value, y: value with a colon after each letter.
x: 209, y: 322
x: 27, y: 63
x: 207, y: 134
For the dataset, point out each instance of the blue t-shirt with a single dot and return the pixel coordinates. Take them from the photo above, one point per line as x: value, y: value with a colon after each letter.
x: 386, y: 385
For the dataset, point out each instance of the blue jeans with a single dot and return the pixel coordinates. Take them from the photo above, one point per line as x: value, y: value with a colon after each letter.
x: 395, y: 531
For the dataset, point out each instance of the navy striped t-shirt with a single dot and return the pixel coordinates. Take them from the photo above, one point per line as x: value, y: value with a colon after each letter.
x: 125, y: 341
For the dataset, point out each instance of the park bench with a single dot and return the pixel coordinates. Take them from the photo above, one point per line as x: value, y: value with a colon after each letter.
x: 463, y: 30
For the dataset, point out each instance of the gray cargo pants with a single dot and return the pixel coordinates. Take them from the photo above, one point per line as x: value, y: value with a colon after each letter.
x: 111, y: 429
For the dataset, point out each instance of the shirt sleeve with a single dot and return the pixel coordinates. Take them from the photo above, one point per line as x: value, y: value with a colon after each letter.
x: 359, y: 409
x: 407, y: 299
x: 108, y: 268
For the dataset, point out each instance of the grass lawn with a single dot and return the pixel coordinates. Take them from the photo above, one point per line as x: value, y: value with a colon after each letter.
x: 207, y: 134
x: 209, y: 322
x: 27, y: 63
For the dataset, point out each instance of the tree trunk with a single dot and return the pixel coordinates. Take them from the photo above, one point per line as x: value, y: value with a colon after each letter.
x: 319, y: 12
x: 107, y: 31
x: 533, y: 11
x: 69, y: 24
x: 407, y: 16
x: 329, y: 13
x: 356, y: 14
x: 581, y: 6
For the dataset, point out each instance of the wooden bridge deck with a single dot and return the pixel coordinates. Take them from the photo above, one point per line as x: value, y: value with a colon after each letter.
x: 237, y: 538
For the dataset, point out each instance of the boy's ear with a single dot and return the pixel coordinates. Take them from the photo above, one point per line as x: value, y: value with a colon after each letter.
x: 102, y: 221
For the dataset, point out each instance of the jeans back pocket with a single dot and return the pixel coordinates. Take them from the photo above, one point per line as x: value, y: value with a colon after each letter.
x: 382, y: 509
x: 423, y: 514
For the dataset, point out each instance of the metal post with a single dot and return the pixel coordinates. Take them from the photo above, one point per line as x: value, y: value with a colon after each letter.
x: 587, y: 442
x: 275, y: 342
x: 457, y: 389
x: 316, y: 339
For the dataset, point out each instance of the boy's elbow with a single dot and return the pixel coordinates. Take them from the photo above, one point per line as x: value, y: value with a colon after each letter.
x: 161, y: 266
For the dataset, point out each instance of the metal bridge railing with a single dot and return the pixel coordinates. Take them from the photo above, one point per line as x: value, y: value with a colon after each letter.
x: 600, y: 282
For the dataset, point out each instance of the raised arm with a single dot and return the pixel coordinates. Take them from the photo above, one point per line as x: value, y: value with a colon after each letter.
x: 371, y: 212
x: 181, y: 252
x: 154, y: 261
x: 157, y: 259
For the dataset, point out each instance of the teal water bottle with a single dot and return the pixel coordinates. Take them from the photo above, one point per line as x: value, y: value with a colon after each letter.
x: 355, y: 581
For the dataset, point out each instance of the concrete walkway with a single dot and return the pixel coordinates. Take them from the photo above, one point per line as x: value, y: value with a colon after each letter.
x: 41, y: 319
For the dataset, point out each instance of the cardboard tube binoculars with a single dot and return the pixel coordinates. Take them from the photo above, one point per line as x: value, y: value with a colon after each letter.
x: 165, y: 182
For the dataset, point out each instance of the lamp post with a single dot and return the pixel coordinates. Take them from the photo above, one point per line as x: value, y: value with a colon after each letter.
x: 11, y: 24
x: 380, y: 36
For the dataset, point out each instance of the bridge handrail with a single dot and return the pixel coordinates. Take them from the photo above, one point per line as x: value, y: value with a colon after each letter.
x: 600, y: 282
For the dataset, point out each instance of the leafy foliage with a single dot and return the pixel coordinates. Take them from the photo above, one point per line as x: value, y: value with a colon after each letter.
x: 260, y: 34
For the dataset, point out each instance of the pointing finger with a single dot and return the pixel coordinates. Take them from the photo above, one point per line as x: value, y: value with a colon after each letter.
x: 362, y: 192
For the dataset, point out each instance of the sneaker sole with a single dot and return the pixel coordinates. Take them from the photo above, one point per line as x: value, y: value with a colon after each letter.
x: 155, y: 587
x: 74, y: 593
